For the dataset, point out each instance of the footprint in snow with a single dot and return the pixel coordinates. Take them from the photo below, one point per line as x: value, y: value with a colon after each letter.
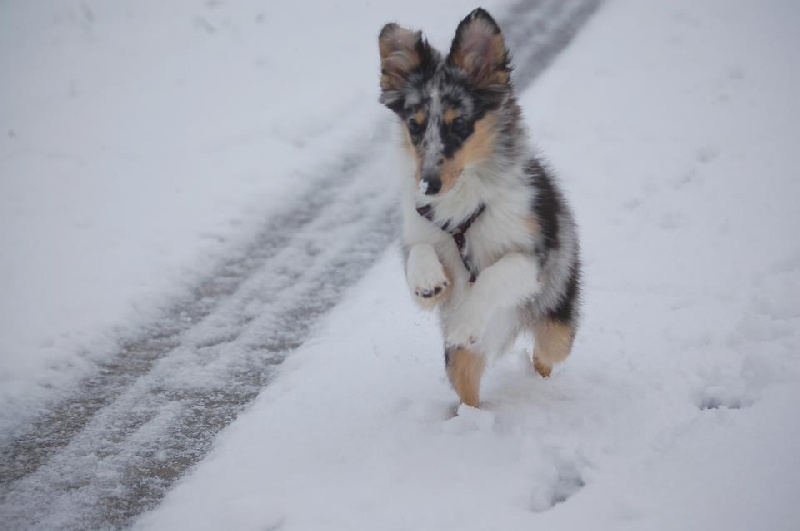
x: 564, y: 483
x: 720, y: 397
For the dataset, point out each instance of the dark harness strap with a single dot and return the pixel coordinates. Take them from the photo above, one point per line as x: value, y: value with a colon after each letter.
x: 458, y: 234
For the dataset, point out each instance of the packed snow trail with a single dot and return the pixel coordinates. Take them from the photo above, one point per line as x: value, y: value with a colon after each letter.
x: 677, y: 409
x: 113, y: 449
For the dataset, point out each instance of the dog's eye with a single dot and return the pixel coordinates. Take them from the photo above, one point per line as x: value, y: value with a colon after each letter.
x: 459, y: 126
x: 414, y: 127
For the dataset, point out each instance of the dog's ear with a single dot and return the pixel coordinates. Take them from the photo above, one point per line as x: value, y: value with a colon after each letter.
x: 479, y: 49
x: 403, y: 52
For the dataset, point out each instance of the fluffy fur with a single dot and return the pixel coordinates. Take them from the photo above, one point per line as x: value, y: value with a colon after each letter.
x: 464, y: 135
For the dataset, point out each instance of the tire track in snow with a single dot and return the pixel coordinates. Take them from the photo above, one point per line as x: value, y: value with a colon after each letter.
x: 113, y: 449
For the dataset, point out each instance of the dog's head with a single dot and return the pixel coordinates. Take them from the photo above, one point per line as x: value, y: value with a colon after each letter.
x: 446, y: 105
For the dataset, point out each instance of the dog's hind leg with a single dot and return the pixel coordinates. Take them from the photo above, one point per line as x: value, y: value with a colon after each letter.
x: 553, y: 344
x: 465, y: 368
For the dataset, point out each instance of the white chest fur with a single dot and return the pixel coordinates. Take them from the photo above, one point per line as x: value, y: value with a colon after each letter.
x: 504, y: 227
x: 499, y: 243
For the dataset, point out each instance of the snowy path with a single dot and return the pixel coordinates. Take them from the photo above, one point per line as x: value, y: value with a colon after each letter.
x: 113, y: 449
x: 675, y: 138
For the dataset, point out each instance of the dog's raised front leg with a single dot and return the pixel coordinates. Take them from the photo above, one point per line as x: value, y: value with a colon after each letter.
x: 426, y: 276
x: 507, y: 283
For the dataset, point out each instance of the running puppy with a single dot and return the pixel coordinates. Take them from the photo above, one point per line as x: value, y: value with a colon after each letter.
x: 488, y: 238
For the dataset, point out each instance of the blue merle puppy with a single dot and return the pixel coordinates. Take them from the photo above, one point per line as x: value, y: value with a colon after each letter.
x: 488, y: 238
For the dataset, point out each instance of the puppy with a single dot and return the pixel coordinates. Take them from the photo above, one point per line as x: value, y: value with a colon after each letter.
x: 489, y: 240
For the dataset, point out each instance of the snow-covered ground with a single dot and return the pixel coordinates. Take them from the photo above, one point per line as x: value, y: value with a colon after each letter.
x: 139, y: 144
x: 674, y: 126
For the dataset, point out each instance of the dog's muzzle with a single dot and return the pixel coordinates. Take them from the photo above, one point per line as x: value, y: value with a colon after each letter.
x: 430, y: 183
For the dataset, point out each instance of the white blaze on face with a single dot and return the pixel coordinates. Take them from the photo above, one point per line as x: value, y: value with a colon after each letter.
x: 433, y: 140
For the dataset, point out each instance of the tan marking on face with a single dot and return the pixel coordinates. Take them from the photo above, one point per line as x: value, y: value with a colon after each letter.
x: 420, y: 116
x: 553, y: 344
x: 478, y: 147
x: 465, y: 369
x: 398, y: 55
x: 412, y: 151
x: 407, y: 143
x: 450, y: 114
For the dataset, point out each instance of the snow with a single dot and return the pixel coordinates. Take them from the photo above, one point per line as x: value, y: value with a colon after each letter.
x: 134, y: 157
x: 140, y: 144
x: 673, y: 132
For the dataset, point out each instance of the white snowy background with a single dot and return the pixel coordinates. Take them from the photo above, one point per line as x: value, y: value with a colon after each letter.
x: 140, y: 142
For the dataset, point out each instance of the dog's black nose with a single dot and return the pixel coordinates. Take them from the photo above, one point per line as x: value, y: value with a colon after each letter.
x: 431, y: 184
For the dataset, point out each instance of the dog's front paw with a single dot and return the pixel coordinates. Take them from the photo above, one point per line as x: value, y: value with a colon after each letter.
x: 466, y: 326
x: 426, y: 277
x: 429, y: 286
